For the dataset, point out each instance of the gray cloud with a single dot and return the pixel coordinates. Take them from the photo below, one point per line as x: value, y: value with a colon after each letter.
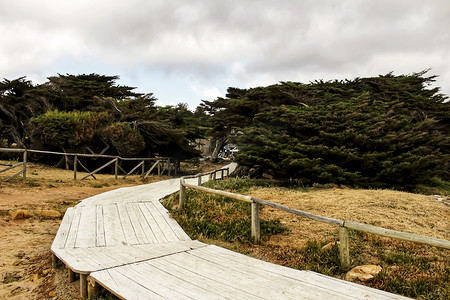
x: 242, y: 42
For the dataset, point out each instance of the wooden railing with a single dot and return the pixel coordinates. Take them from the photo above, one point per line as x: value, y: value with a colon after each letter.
x: 344, y: 226
x: 162, y: 164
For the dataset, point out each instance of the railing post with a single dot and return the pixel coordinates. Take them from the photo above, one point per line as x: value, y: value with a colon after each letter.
x: 168, y: 166
x: 143, y: 168
x: 200, y: 180
x: 159, y: 168
x: 116, y: 168
x: 75, y: 162
x: 256, y: 229
x: 221, y: 173
x: 182, y: 195
x: 214, y: 175
x: 344, y: 253
x: 25, y: 159
x: 228, y: 172
x: 210, y: 176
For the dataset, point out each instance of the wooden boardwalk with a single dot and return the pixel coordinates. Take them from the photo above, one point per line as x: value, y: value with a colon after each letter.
x: 125, y: 241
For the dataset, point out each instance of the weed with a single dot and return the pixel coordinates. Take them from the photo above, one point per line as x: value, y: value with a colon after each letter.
x: 33, y: 184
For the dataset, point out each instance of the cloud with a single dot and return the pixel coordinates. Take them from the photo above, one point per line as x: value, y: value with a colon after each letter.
x: 225, y: 43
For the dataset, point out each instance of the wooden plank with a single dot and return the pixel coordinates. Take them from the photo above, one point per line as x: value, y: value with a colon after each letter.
x: 134, y: 169
x: 398, y: 234
x: 218, y: 192
x: 100, y: 227
x: 122, y: 286
x: 147, y: 220
x: 141, y: 235
x: 143, y: 223
x: 63, y: 230
x: 100, y: 168
x: 73, y: 232
x: 160, y: 219
x: 113, y: 227
x: 217, y: 289
x: 127, y: 226
x: 177, y: 229
x: 86, y: 236
x: 153, y: 279
x: 166, y: 279
x: 151, y: 169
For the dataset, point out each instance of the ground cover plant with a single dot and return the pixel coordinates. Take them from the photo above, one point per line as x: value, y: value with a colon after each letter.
x: 409, y: 269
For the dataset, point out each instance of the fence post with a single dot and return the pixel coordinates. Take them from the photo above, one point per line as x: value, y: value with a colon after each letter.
x: 256, y: 230
x: 210, y: 176
x: 159, y: 168
x: 344, y: 253
x: 221, y: 173
x: 143, y: 168
x: 214, y: 175
x: 228, y: 172
x: 200, y: 180
x: 75, y: 161
x: 116, y: 168
x: 168, y: 166
x: 182, y: 195
x: 25, y: 159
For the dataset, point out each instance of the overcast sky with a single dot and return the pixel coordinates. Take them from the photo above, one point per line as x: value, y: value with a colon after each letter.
x: 188, y: 50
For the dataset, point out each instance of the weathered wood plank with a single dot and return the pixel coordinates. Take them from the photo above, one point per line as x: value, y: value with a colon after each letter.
x: 73, y: 231
x: 143, y: 223
x: 127, y: 226
x: 113, y: 226
x: 181, y: 234
x: 63, y: 230
x: 151, y: 223
x: 87, y: 236
x: 161, y: 221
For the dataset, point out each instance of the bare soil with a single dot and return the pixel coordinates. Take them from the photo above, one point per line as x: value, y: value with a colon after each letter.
x: 25, y: 259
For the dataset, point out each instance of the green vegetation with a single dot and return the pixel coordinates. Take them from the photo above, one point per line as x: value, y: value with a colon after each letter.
x: 215, y: 217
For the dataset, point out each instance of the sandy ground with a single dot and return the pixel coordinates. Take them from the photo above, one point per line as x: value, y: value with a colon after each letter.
x: 25, y: 259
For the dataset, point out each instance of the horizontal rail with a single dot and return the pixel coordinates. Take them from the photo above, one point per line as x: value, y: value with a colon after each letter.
x: 220, y: 193
x: 78, y: 154
x: 411, y: 237
x: 301, y: 213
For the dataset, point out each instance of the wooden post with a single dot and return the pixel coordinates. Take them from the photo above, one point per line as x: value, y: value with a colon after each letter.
x: 168, y: 166
x: 228, y: 172
x: 344, y: 253
x: 221, y: 173
x: 210, y: 176
x: 159, y: 168
x: 72, y: 275
x: 83, y: 286
x: 200, y: 180
x: 214, y: 175
x: 182, y: 195
x: 143, y: 168
x: 54, y: 261
x: 25, y: 159
x: 75, y: 162
x: 116, y: 168
x: 93, y: 288
x: 256, y: 229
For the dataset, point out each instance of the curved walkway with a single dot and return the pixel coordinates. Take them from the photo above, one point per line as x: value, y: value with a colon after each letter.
x: 125, y: 241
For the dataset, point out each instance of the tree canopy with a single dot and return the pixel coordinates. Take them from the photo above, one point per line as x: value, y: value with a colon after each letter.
x: 386, y: 131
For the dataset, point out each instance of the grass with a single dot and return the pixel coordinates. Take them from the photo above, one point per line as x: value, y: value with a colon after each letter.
x: 409, y: 269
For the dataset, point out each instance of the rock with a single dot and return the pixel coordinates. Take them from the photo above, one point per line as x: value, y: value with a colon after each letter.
x: 328, y: 246
x: 35, y: 279
x: 52, y: 294
x: 363, y: 273
x: 20, y: 214
x: 48, y: 214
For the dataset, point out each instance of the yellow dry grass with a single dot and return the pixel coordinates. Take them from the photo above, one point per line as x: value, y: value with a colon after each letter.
x: 395, y: 210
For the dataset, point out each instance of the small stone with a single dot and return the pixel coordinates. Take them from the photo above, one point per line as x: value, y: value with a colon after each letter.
x: 35, y: 279
x: 20, y: 214
x: 329, y: 246
x: 48, y: 214
x: 47, y: 271
x: 52, y: 294
x: 363, y: 273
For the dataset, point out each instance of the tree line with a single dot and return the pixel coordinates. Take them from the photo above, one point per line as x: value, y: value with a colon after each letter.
x: 385, y: 131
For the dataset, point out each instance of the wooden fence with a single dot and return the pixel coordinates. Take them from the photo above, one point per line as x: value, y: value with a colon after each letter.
x: 161, y: 164
x: 344, y: 226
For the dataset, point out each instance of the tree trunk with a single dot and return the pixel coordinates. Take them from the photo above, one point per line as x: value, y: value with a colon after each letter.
x: 219, y: 145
